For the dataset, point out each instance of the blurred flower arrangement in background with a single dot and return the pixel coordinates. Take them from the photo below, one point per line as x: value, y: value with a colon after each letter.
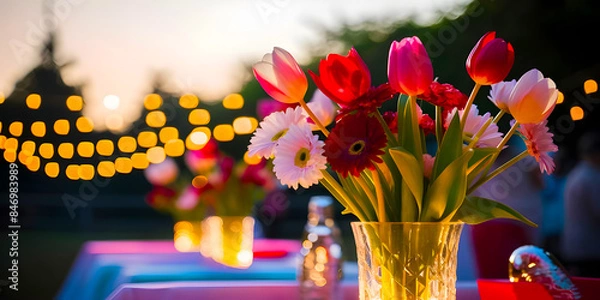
x: 211, y: 197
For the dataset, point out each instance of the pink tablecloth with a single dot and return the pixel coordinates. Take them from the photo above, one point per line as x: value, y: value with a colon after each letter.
x: 247, y: 290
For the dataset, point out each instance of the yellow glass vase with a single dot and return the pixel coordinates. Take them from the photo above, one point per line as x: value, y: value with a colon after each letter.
x: 229, y: 240
x: 407, y: 260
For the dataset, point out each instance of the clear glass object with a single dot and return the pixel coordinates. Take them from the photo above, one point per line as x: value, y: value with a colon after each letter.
x: 407, y: 260
x: 321, y: 259
x: 229, y: 240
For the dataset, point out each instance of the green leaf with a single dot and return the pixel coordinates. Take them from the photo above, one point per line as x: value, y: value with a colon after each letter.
x: 412, y: 172
x: 400, y: 115
x: 450, y: 148
x: 447, y: 192
x: 475, y: 210
x: 411, y: 132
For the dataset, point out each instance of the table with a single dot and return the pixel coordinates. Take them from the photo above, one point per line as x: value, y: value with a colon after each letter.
x: 247, y: 290
x: 101, y: 266
x: 132, y: 267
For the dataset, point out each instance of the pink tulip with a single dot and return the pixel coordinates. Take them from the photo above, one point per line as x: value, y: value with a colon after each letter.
x: 409, y: 67
x: 533, y: 98
x: 281, y: 77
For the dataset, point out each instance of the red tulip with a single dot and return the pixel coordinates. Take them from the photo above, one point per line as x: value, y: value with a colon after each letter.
x: 343, y: 78
x: 409, y: 67
x: 490, y: 60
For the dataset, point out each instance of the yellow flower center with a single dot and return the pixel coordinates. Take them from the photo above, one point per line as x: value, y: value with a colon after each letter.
x: 279, y: 135
x: 357, y: 147
x: 302, y: 157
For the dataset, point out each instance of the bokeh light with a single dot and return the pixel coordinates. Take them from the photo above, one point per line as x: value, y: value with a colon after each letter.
x: 105, y: 147
x: 153, y: 101
x: 24, y: 157
x: 577, y: 113
x: 139, y: 160
x: 33, y: 164
x: 233, y: 101
x: 199, y: 181
x: 85, y: 149
x: 46, y: 150
x: 197, y: 138
x: 147, y: 139
x: 123, y: 165
x: 111, y: 102
x: 72, y: 172
x: 590, y: 86
x: 65, y: 150
x: 33, y: 101
x: 29, y: 147
x: 16, y: 128
x: 75, y: 103
x: 251, y: 160
x: 84, y: 124
x: 2, y: 98
x: 38, y: 128
x: 106, y: 169
x: 127, y: 144
x: 188, y: 101
x: 199, y: 117
x: 560, y: 98
x: 86, y: 172
x: 156, y: 119
x: 156, y: 155
x: 168, y: 133
x: 223, y: 133
x: 52, y: 169
x: 2, y: 141
x: 10, y: 155
x: 244, y: 125
x: 62, y: 127
x: 11, y: 144
x: 174, y: 148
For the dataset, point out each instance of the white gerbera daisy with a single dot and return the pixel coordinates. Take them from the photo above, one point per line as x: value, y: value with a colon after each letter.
x: 491, y: 137
x: 299, y: 157
x: 271, y: 129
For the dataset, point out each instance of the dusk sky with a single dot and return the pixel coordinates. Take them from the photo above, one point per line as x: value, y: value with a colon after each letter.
x: 200, y: 45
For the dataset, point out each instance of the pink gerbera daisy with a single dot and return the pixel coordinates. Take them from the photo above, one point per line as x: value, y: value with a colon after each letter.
x: 539, y: 142
x: 299, y: 157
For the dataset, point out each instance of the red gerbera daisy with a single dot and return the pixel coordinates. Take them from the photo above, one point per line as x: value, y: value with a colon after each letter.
x: 355, y: 143
x: 370, y: 101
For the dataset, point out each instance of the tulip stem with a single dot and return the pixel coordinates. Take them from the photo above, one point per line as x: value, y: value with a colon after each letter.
x: 479, y: 133
x: 380, y: 198
x: 474, y: 92
x: 439, y: 124
x: 507, y: 136
x: 499, y: 170
x: 314, y: 117
x: 499, y: 116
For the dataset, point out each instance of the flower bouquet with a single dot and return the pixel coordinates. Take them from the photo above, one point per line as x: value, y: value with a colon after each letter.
x: 212, y: 202
x: 407, y: 176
